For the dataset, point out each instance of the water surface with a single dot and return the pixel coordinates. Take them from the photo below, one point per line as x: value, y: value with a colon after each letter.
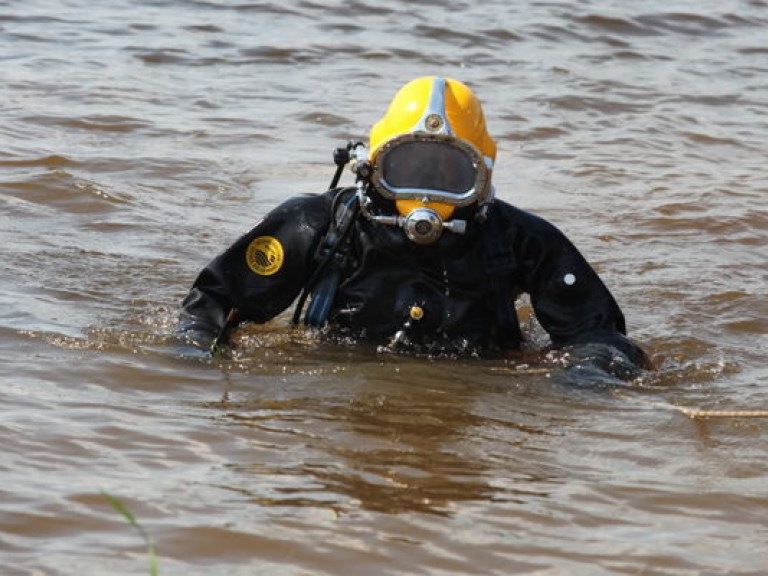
x: 138, y: 139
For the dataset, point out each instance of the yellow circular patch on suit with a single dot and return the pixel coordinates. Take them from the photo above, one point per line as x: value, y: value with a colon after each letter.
x: 264, y: 255
x: 416, y: 312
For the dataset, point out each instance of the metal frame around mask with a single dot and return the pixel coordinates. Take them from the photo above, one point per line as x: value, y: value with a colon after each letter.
x: 480, y: 191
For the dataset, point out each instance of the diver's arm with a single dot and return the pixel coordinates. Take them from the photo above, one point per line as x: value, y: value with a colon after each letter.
x: 573, y: 305
x: 259, y: 275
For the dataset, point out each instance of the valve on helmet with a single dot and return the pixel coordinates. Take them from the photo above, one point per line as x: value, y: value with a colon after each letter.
x: 424, y: 226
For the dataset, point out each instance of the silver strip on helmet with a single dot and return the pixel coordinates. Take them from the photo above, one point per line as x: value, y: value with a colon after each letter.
x: 434, y: 120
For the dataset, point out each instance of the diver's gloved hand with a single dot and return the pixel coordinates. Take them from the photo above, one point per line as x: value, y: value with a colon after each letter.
x: 192, y: 344
x: 195, y: 338
x: 595, y: 366
x: 601, y: 360
x: 207, y: 331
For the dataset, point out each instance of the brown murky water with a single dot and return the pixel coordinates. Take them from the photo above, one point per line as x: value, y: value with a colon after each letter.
x: 137, y: 139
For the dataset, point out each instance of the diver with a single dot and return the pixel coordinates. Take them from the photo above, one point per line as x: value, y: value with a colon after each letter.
x: 418, y: 255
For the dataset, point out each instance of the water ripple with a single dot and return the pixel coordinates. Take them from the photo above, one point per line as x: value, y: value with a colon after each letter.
x: 141, y: 138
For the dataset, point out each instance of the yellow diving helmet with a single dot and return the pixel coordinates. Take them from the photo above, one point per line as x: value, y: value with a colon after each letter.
x: 431, y: 153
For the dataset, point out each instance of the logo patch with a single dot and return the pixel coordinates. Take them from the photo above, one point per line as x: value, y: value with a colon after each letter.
x: 264, y: 255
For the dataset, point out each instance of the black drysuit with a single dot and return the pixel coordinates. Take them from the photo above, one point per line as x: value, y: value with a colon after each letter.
x: 463, y: 286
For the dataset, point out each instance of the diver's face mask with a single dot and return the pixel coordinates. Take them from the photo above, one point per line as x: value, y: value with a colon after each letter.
x: 428, y: 176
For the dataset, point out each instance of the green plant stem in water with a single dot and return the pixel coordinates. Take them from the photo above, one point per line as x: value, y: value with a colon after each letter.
x: 122, y: 509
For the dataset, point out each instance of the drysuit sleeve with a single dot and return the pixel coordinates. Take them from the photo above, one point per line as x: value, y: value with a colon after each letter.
x: 260, y: 274
x: 571, y: 302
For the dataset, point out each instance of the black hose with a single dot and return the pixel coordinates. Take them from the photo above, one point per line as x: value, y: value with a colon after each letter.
x: 331, y: 252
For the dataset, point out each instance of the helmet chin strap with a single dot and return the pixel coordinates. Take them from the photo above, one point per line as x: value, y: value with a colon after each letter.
x: 421, y: 225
